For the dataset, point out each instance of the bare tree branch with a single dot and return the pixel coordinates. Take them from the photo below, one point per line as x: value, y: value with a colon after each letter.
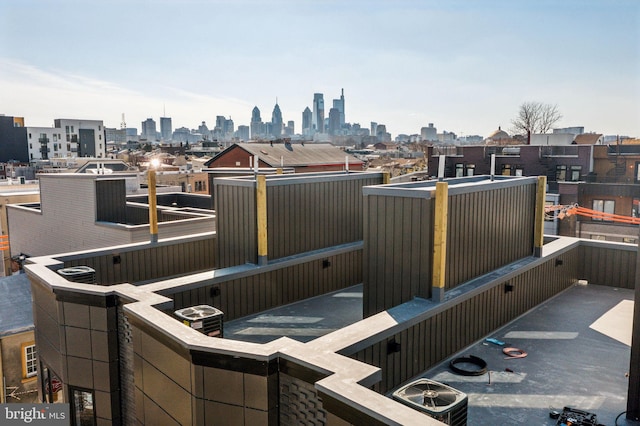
x: 549, y: 117
x: 535, y: 117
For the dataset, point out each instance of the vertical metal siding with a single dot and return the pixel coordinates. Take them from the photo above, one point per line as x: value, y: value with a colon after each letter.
x: 609, y: 266
x: 397, y: 251
x: 111, y: 198
x: 315, y: 214
x: 487, y: 230
x: 440, y: 336
x: 255, y: 293
x: 151, y: 262
x: 236, y: 225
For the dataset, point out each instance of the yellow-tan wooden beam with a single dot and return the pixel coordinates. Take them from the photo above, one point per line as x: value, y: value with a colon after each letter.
x: 538, y: 238
x: 261, y: 207
x: 153, y: 212
x: 440, y: 241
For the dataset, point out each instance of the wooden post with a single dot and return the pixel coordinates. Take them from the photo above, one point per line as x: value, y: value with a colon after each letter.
x: 153, y: 212
x: 386, y: 178
x: 538, y: 237
x: 261, y: 206
x: 440, y: 242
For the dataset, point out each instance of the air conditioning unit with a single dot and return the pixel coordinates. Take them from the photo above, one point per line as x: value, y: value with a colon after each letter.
x: 204, y: 318
x: 435, y: 399
x: 79, y: 274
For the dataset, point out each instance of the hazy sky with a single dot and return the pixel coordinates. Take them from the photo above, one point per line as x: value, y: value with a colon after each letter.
x: 465, y: 66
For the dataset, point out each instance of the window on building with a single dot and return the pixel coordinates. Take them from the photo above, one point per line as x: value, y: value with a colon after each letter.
x: 459, y: 170
x: 519, y: 171
x: 29, y: 360
x: 68, y: 147
x: 605, y: 206
x: 506, y: 170
x: 100, y: 137
x: 30, y: 146
x: 561, y: 173
x: 576, y: 171
x: 66, y: 129
x: 71, y: 129
x: 29, y: 135
x: 82, y: 411
x: 637, y: 174
x: 635, y: 207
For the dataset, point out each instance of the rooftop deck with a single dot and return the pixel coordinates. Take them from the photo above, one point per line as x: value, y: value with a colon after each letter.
x: 577, y: 345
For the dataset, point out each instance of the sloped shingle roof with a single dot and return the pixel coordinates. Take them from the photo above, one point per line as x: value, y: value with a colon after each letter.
x: 296, y: 154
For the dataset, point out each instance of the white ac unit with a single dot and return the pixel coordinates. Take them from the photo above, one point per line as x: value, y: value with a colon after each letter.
x: 437, y: 400
x: 79, y: 274
x: 204, y: 318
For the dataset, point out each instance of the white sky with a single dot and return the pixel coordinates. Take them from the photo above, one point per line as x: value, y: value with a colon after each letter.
x: 465, y: 66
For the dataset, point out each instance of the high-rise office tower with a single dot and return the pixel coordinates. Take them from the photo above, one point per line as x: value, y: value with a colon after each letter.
x: 228, y: 128
x: 429, y: 133
x: 334, y: 121
x: 374, y: 128
x: 290, y: 129
x: 165, y: 128
x: 276, y: 121
x: 318, y: 113
x: 339, y: 105
x: 307, y: 120
x: 257, y: 126
x: 149, y: 131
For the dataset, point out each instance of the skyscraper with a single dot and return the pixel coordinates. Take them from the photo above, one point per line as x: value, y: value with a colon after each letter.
x: 257, y: 126
x: 276, y: 121
x: 318, y: 113
x: 165, y: 128
x: 339, y: 105
x: 149, y: 131
x: 334, y: 121
x: 307, y: 119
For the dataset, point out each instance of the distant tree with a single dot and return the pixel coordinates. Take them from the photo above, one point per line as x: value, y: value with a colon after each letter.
x: 535, y: 117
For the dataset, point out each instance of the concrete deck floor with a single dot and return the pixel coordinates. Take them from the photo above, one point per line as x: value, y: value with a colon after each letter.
x: 576, y: 344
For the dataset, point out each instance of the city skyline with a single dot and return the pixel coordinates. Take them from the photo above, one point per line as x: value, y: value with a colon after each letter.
x: 466, y: 67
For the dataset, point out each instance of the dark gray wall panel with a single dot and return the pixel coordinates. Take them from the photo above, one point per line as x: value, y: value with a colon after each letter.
x: 487, y: 230
x: 150, y: 262
x: 236, y: 224
x: 443, y: 334
x: 111, y: 201
x: 397, y: 250
x: 265, y: 290
x: 608, y: 266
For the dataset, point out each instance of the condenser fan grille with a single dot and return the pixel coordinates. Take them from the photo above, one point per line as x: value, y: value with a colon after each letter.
x: 197, y: 313
x: 430, y: 395
x: 436, y: 399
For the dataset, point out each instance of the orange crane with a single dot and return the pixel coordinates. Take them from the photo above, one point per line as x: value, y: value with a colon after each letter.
x: 571, y: 209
